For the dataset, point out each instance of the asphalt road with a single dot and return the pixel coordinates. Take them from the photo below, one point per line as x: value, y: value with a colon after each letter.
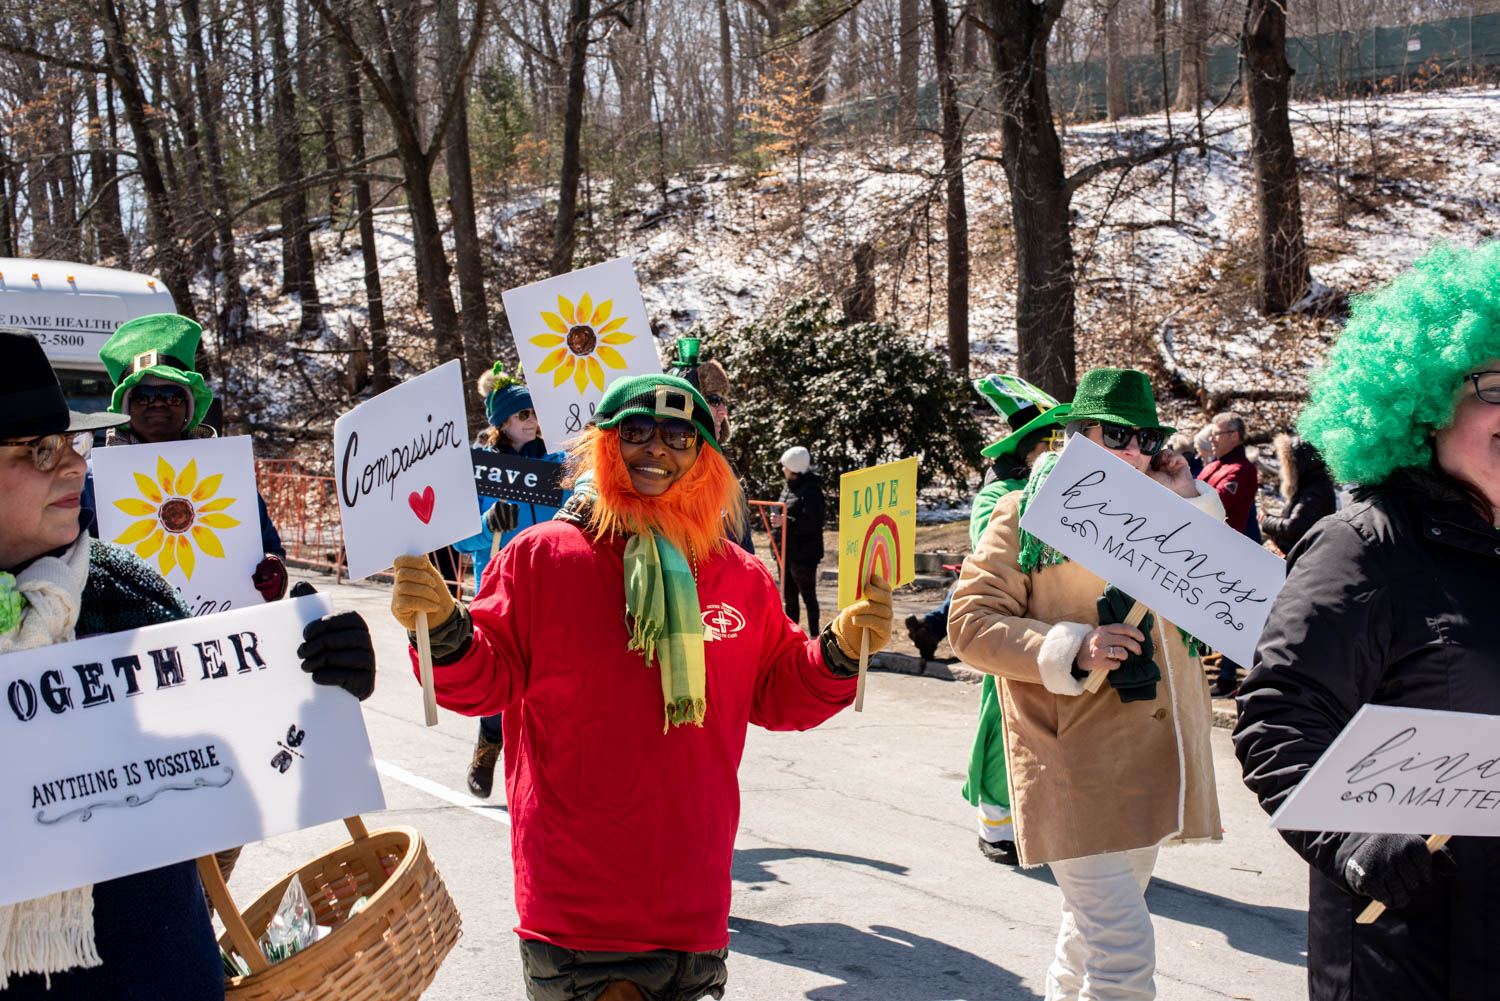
x: 856, y: 872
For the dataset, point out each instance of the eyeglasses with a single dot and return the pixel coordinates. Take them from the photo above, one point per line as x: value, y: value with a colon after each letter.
x: 1117, y: 437
x: 525, y: 415
x: 47, y: 451
x: 715, y: 400
x: 676, y: 433
x: 166, y: 396
x: 1487, y: 385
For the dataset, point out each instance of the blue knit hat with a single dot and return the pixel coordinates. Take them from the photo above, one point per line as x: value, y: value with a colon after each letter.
x: 506, y: 395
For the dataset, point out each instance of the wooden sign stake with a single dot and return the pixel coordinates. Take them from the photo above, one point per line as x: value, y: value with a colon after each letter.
x: 424, y: 666
x: 1096, y: 678
x: 1376, y: 908
x: 864, y: 665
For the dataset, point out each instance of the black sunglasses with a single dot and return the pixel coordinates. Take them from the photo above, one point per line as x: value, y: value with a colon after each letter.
x: 1117, y: 437
x: 167, y: 396
x: 715, y: 400
x: 1487, y: 385
x: 676, y: 433
x: 47, y: 450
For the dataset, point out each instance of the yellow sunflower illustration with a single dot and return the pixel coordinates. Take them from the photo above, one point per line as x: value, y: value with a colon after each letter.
x: 582, y: 340
x: 176, y: 510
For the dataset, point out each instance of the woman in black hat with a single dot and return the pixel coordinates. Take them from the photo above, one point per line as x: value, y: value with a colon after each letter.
x: 146, y: 935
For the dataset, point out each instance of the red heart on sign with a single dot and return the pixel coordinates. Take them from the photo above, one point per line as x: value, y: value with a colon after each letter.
x: 422, y: 504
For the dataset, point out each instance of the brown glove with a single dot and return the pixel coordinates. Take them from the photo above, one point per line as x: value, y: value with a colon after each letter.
x: 872, y: 612
x: 419, y: 588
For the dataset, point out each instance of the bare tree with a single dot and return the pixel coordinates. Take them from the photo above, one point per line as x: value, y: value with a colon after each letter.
x: 1192, y: 69
x: 1282, y: 275
x: 380, y: 354
x: 956, y: 213
x: 298, y: 271
x: 909, y: 47
x: 1114, y: 61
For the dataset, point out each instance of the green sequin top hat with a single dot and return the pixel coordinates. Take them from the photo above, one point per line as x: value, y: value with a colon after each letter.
x: 656, y: 396
x: 1117, y: 395
x: 163, y: 345
x: 1054, y: 416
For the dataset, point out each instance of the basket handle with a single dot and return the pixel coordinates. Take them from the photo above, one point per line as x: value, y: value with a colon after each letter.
x: 234, y: 921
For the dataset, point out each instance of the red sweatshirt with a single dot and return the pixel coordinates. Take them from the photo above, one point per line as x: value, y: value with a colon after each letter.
x: 1234, y: 477
x: 621, y: 834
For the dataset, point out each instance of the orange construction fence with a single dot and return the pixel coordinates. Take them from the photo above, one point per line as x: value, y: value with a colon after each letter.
x: 773, y: 521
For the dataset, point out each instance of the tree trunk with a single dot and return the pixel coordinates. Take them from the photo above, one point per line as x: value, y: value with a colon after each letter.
x: 7, y: 211
x: 909, y: 48
x: 1282, y: 276
x: 474, y: 322
x: 380, y: 354
x: 232, y: 307
x: 817, y: 67
x: 1159, y: 47
x: 726, y: 77
x: 956, y: 217
x: 161, y: 223
x: 564, y: 236
x: 1039, y: 198
x: 1114, y: 62
x: 298, y: 270
x: 851, y: 75
x: 109, y: 232
x: 1192, y: 69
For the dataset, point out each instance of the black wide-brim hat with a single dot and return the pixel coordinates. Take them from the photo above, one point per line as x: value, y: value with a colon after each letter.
x: 31, y: 401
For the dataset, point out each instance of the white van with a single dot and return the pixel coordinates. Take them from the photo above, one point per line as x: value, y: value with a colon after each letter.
x: 73, y: 309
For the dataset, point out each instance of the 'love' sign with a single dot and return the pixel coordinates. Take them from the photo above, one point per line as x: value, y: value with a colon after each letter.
x: 401, y: 463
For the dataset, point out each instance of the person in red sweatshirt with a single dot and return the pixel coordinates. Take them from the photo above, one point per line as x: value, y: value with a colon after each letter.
x: 1233, y: 475
x: 629, y: 644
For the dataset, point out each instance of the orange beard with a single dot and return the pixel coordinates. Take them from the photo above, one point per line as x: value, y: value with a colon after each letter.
x: 693, y: 514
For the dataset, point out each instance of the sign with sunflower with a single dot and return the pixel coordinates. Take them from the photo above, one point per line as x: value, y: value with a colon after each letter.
x: 188, y: 508
x: 575, y: 334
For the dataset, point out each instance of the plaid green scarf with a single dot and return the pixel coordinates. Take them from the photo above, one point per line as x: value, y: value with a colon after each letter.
x: 661, y: 599
x: 1035, y: 553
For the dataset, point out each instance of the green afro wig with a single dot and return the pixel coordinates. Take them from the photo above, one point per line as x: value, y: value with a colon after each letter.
x: 1392, y: 377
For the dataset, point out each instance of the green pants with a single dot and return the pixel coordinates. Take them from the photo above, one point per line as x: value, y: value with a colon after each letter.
x: 987, y: 779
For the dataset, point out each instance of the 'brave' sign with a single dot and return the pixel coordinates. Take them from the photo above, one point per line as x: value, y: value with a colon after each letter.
x: 517, y: 479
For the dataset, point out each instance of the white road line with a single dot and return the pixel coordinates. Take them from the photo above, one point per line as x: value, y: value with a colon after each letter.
x: 496, y: 813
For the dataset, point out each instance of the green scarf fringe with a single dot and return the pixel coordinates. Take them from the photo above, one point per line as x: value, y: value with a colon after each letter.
x: 1035, y: 553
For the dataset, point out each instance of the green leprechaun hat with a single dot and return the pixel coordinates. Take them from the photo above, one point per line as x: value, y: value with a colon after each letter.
x: 1119, y: 396
x: 1024, y: 406
x: 163, y: 345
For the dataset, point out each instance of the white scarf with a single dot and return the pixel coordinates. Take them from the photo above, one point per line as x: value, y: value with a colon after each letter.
x: 54, y: 933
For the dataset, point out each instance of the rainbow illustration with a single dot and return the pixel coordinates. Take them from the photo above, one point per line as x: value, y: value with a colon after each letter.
x: 880, y: 551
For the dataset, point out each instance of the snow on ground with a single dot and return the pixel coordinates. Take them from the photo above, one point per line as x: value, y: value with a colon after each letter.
x: 1383, y: 179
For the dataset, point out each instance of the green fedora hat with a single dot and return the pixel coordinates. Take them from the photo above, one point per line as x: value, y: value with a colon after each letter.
x: 163, y: 345
x: 1051, y: 417
x: 1117, y: 395
x: 656, y: 396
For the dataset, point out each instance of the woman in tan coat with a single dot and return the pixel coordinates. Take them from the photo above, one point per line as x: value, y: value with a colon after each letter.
x: 1098, y: 783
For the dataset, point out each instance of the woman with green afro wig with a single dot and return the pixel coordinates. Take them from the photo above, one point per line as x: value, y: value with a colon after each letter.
x: 1391, y: 601
x: 1389, y: 381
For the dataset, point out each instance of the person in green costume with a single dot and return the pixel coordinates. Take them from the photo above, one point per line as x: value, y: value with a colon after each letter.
x: 1036, y: 416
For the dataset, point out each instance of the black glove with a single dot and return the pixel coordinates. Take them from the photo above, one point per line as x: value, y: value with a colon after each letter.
x: 1390, y: 868
x: 336, y: 650
x: 502, y: 517
x: 270, y: 578
x: 1136, y: 677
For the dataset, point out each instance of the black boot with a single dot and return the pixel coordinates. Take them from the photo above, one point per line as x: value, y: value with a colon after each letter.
x: 924, y: 641
x: 1003, y: 852
x: 482, y: 768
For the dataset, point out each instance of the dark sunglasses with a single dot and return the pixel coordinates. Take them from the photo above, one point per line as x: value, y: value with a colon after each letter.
x: 675, y: 432
x: 167, y: 396
x: 1117, y: 437
x: 524, y: 415
x: 47, y: 451
x: 1487, y: 385
x: 715, y: 400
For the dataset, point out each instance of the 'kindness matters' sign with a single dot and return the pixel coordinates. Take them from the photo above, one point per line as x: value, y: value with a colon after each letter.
x: 132, y: 750
x: 1395, y: 770
x: 1157, y: 547
x: 405, y: 482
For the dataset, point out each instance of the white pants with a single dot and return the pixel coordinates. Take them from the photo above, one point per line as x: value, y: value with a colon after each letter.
x: 1106, y: 949
x: 994, y: 823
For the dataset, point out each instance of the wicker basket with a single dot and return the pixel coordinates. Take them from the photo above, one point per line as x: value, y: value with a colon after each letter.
x: 390, y: 950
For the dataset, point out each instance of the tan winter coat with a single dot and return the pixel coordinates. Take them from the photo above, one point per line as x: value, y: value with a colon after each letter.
x: 1088, y: 773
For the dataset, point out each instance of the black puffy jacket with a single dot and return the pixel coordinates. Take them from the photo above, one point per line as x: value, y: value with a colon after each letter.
x: 1308, y: 489
x: 1390, y: 601
x: 803, y: 497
